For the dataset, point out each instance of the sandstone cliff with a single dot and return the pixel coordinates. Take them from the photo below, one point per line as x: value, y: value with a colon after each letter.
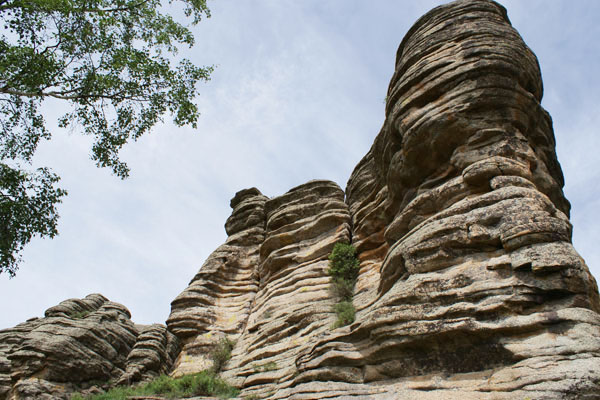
x: 469, y: 286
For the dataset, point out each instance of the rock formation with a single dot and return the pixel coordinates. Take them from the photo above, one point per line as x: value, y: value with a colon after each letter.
x: 79, y: 344
x: 469, y: 286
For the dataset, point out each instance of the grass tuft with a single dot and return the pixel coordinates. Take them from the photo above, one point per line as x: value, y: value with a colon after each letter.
x: 205, y: 383
x: 79, y: 314
x: 270, y: 366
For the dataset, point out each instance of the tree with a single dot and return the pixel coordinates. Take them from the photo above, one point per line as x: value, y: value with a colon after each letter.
x: 110, y: 62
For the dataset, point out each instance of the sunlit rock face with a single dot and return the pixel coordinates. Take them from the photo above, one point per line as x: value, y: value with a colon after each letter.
x: 469, y: 286
x: 219, y: 298
x: 267, y: 287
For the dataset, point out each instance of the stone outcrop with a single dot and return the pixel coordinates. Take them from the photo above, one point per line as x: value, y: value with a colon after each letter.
x: 80, y: 343
x: 153, y: 354
x: 219, y: 298
x: 276, y: 251
x: 469, y: 286
x: 293, y: 304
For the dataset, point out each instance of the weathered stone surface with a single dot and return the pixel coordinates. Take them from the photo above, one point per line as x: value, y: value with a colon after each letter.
x: 276, y: 285
x: 219, y: 298
x: 294, y: 302
x: 79, y: 343
x: 153, y: 354
x: 480, y: 293
x: 469, y: 286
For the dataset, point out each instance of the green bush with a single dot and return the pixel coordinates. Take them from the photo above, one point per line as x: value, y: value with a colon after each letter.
x: 205, y: 383
x: 345, y: 313
x: 221, y: 354
x: 343, y: 269
x: 343, y: 262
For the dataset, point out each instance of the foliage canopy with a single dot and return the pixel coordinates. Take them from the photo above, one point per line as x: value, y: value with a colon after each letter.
x: 110, y: 63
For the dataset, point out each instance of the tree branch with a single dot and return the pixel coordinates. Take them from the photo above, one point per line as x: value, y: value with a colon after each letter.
x: 63, y: 95
x: 4, y: 7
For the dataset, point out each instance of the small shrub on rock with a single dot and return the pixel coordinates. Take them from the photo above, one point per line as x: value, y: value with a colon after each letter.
x: 345, y: 312
x: 343, y: 269
x: 342, y: 289
x: 221, y: 354
x: 343, y: 262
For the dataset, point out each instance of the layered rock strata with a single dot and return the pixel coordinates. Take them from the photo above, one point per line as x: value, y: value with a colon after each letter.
x: 80, y: 343
x: 294, y: 301
x: 219, y: 298
x: 279, y: 282
x: 480, y: 293
x: 153, y: 354
x: 469, y: 286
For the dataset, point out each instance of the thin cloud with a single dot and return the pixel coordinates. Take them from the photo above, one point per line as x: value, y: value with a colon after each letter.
x: 298, y: 94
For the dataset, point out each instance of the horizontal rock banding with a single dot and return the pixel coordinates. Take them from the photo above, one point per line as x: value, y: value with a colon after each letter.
x: 468, y: 288
x: 218, y: 300
x: 467, y: 272
x: 295, y: 302
x: 153, y: 354
x: 479, y: 255
x: 78, y: 344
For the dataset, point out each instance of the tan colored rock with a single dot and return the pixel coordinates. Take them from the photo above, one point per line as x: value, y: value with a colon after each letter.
x: 481, y: 294
x: 153, y: 355
x: 294, y: 303
x: 469, y: 286
x: 219, y: 298
x: 77, y: 342
x: 283, y: 260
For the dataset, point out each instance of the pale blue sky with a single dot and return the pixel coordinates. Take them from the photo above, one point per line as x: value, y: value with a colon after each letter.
x: 298, y: 94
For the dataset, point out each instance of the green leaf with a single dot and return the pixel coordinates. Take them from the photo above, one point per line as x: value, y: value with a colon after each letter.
x: 111, y: 63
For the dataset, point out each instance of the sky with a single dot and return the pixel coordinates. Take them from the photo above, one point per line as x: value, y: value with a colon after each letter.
x: 297, y: 94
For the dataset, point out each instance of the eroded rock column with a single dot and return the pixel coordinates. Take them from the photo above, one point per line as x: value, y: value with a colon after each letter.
x: 219, y: 298
x: 294, y: 302
x: 480, y: 292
